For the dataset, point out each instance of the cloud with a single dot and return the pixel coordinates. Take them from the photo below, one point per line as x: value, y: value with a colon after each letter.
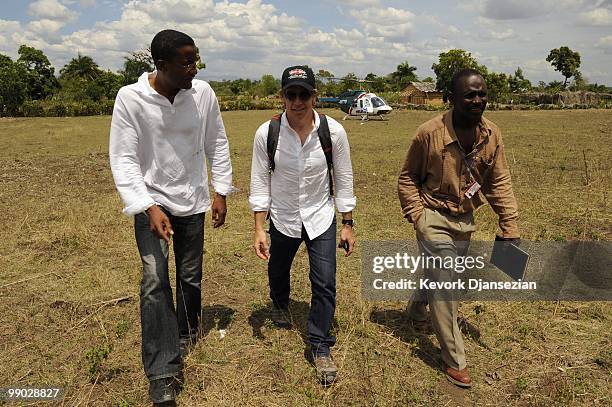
x: 605, y: 43
x: 597, y: 17
x: 51, y: 10
x: 515, y: 9
x: 503, y: 35
x: 45, y: 26
x: 388, y: 22
x: 359, y: 3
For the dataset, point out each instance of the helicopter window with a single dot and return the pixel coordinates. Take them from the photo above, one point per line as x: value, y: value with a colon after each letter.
x: 378, y: 102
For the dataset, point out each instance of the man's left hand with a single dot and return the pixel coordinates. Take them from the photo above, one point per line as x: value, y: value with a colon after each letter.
x: 346, y: 235
x: 219, y: 210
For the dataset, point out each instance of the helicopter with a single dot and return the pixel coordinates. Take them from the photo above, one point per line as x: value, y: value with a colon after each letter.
x: 360, y: 103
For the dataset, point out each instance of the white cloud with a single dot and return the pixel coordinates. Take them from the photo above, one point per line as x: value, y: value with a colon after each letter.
x: 359, y: 3
x: 503, y: 35
x: 45, y: 26
x: 605, y: 43
x: 385, y: 22
x: 597, y: 17
x: 51, y: 10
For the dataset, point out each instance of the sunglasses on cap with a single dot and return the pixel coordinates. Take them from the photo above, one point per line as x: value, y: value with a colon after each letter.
x: 304, y: 95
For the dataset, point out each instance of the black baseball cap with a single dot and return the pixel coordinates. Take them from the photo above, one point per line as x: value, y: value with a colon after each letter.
x: 298, y: 76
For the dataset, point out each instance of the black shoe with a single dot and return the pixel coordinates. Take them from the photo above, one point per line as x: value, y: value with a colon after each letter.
x: 163, y: 390
x: 280, y: 317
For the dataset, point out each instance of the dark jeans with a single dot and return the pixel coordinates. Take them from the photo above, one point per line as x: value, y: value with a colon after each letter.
x: 162, y: 326
x: 322, y: 259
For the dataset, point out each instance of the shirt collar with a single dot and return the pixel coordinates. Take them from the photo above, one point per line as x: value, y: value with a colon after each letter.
x: 145, y: 87
x: 484, y: 130
x: 285, y: 123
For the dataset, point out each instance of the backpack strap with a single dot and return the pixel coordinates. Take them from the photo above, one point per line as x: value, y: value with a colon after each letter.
x: 326, y: 144
x: 324, y: 139
x: 272, y: 142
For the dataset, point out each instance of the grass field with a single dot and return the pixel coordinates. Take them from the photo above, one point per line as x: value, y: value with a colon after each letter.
x: 70, y: 274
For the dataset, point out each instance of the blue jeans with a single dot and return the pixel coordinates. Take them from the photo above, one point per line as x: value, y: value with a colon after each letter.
x: 162, y: 326
x: 322, y: 259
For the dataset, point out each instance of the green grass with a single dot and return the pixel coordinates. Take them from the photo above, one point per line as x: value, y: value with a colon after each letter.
x: 67, y: 250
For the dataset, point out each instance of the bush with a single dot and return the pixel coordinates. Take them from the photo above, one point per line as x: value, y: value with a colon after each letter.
x: 32, y: 108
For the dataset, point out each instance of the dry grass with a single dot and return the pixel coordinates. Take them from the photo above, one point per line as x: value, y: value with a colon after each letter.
x: 68, y: 250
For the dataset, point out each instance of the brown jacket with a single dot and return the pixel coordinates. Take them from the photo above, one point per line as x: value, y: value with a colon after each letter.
x: 435, y: 174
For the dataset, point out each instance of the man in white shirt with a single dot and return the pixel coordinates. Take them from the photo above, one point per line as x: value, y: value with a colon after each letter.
x: 162, y: 127
x: 297, y: 194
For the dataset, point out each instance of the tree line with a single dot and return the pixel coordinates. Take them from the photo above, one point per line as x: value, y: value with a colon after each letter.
x: 31, y: 77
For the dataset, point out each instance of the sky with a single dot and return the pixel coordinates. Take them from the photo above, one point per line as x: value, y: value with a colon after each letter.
x: 246, y: 39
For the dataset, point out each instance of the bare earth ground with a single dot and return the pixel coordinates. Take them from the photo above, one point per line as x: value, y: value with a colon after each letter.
x: 70, y: 273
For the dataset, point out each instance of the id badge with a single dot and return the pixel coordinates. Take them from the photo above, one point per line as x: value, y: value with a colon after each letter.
x: 472, y: 189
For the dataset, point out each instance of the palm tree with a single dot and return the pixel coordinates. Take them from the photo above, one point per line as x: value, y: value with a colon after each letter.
x: 82, y: 67
x: 404, y: 74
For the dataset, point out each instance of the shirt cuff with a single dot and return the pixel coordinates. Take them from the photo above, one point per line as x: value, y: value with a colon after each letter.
x: 139, y: 206
x: 345, y: 204
x: 224, y: 189
x: 260, y: 203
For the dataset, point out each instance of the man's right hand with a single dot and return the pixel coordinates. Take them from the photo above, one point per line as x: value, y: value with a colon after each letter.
x: 159, y: 223
x: 261, y: 245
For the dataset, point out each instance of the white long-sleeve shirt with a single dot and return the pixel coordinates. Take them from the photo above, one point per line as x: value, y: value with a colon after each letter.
x: 297, y: 192
x: 157, y: 148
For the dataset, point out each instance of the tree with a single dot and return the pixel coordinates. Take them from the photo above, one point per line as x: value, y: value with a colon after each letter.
x: 105, y: 86
x: 403, y: 75
x: 350, y: 81
x: 565, y: 61
x: 13, y: 85
x: 498, y: 86
x: 82, y: 67
x: 518, y: 83
x: 451, y: 62
x: 267, y: 86
x: 376, y: 83
x: 41, y: 81
x: 136, y: 64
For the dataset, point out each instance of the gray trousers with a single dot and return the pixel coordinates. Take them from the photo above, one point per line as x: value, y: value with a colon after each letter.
x: 443, y: 235
x: 163, y: 325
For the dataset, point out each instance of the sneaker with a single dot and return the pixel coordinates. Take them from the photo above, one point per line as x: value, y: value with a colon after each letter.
x: 326, y: 370
x: 280, y: 317
x: 162, y: 390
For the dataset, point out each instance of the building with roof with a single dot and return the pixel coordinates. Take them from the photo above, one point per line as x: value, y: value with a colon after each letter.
x: 421, y: 93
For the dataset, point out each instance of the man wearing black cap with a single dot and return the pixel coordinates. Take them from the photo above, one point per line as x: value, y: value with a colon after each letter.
x: 294, y: 187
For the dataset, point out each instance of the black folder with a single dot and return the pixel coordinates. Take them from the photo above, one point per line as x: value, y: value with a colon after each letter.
x: 510, y: 259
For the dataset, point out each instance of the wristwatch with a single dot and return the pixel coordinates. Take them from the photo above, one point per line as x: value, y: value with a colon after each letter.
x: 349, y: 222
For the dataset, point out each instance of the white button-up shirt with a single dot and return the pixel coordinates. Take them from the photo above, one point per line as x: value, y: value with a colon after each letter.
x: 157, y: 148
x: 297, y: 193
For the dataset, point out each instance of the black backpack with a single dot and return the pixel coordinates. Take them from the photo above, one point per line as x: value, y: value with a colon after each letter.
x: 324, y: 138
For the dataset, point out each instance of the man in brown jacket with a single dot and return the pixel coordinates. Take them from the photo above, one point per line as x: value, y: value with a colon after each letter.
x: 454, y: 160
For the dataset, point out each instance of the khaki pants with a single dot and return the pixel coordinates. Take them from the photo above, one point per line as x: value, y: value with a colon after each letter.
x: 441, y: 234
